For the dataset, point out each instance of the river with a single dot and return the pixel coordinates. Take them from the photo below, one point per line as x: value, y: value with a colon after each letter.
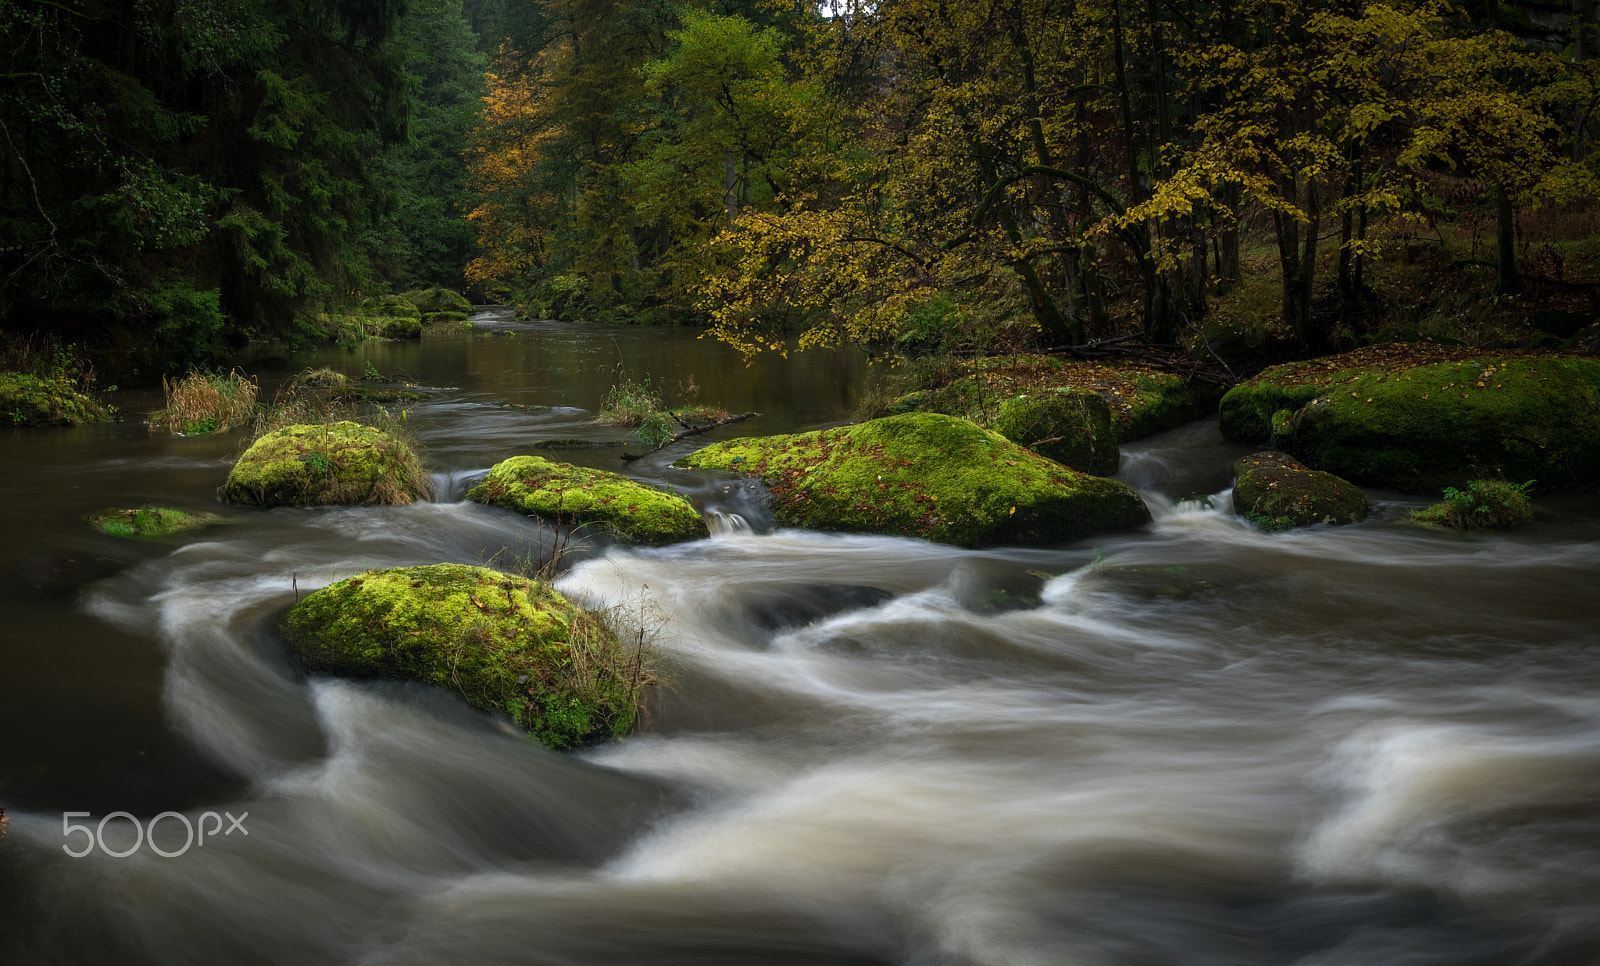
x: 1194, y: 743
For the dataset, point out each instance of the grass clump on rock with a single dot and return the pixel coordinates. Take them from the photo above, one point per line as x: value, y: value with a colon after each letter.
x: 926, y: 475
x: 577, y: 495
x: 1276, y: 493
x: 1483, y: 505
x: 205, y: 402
x: 325, y: 465
x: 506, y: 644
x: 149, y: 522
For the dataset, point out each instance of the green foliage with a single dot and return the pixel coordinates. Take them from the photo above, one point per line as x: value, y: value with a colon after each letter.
x: 30, y: 400
x: 1483, y: 505
x: 183, y: 172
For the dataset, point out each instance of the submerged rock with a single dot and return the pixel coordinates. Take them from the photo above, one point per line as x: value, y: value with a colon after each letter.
x: 1275, y: 492
x: 340, y: 463
x: 926, y: 475
x: 505, y: 644
x: 150, y: 521
x: 29, y: 400
x: 1424, y: 426
x: 1069, y: 426
x: 577, y: 495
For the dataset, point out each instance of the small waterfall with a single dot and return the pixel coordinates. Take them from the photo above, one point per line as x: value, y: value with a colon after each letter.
x: 727, y: 524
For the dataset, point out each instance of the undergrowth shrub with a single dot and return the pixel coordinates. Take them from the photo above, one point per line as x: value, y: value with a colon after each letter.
x: 1483, y: 505
x: 638, y: 403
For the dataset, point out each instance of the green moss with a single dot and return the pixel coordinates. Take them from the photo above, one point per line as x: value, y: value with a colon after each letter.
x: 1254, y: 411
x: 926, y: 475
x: 1483, y: 505
x: 439, y: 300
x: 1276, y: 493
x: 1142, y: 401
x: 537, y: 487
x: 391, y: 306
x: 401, y: 328
x: 29, y: 400
x: 148, y: 521
x: 1071, y: 427
x: 323, y: 465
x: 1445, y: 424
x: 504, y: 643
x: 437, y: 318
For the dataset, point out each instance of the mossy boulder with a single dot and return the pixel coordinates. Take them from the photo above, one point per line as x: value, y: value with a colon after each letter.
x: 323, y: 378
x: 324, y: 465
x: 1435, y: 423
x: 442, y: 318
x: 29, y: 400
x: 926, y: 475
x: 1142, y: 400
x: 394, y: 306
x: 148, y: 522
x: 438, y: 299
x: 400, y: 327
x: 1275, y: 492
x: 1066, y: 425
x: 578, y: 495
x: 503, y: 643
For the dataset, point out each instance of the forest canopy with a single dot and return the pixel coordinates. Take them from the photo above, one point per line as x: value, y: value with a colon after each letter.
x: 181, y: 175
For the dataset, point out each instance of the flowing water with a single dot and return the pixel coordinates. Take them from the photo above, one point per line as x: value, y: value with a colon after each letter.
x: 1192, y: 743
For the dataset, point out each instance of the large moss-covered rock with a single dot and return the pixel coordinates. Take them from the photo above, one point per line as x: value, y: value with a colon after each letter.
x: 394, y: 306
x: 1275, y: 492
x: 504, y: 643
x: 1066, y: 425
x: 439, y: 299
x: 1424, y: 424
x: 1142, y: 400
x: 149, y: 522
x: 325, y: 465
x: 29, y: 400
x: 926, y: 475
x: 577, y: 495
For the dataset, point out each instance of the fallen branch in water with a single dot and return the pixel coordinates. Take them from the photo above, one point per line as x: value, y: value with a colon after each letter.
x: 691, y: 431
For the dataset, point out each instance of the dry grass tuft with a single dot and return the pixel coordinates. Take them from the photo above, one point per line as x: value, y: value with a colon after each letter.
x: 205, y: 402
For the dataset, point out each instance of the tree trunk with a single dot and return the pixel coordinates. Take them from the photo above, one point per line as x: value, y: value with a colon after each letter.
x: 1228, y: 272
x: 1505, y: 233
x: 730, y: 183
x: 1297, y: 256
